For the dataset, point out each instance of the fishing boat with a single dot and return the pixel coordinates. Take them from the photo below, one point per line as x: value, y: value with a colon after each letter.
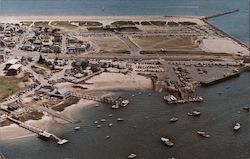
x: 203, y: 134
x: 167, y: 142
x: 237, y: 127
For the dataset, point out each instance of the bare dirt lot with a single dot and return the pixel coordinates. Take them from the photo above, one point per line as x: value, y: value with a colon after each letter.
x: 108, y: 44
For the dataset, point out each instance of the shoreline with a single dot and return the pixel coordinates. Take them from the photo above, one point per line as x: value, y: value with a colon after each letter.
x: 103, y: 83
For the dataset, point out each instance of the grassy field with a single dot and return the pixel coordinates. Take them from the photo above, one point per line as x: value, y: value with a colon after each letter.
x: 163, y: 42
x: 9, y: 86
x: 41, y: 24
x: 109, y: 43
x: 64, y: 24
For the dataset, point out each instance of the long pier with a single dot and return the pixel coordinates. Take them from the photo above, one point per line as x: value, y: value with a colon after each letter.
x: 220, y: 14
x: 41, y: 133
x: 105, y: 100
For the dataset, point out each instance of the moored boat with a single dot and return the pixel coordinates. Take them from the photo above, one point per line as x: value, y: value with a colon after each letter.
x: 173, y: 119
x: 203, y: 134
x: 120, y: 119
x: 236, y: 126
x: 77, y: 128
x: 167, y: 142
x: 125, y: 102
x: 194, y: 113
x: 132, y: 156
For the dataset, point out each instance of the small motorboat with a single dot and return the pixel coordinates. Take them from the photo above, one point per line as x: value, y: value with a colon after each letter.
x: 132, y: 156
x: 133, y: 95
x: 203, y: 134
x: 194, y: 113
x: 103, y: 120
x: 125, y: 102
x: 107, y: 137
x: 63, y: 141
x: 110, y: 115
x: 96, y: 122
x: 77, y: 128
x: 120, y: 119
x: 167, y: 142
x: 98, y: 126
x: 173, y: 119
x: 110, y: 124
x: 236, y: 126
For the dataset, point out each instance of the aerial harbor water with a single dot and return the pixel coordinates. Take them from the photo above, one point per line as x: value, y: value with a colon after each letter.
x: 98, y: 132
x: 146, y: 120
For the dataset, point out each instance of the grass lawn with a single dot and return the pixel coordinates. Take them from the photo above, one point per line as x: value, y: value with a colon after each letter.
x: 165, y: 42
x: 9, y: 86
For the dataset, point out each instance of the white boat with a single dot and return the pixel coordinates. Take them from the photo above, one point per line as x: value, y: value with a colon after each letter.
x: 194, y: 113
x: 63, y: 141
x: 110, y: 115
x: 174, y: 119
x: 237, y: 126
x: 120, y: 119
x: 203, y: 134
x: 103, y: 120
x: 77, y: 128
x: 170, y: 98
x: 107, y: 137
x: 98, y: 126
x: 125, y: 102
x: 96, y: 122
x: 132, y: 156
x: 110, y: 124
x: 167, y: 142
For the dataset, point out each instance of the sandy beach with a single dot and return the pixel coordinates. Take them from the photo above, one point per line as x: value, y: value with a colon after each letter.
x: 106, y: 20
x: 117, y: 81
x: 219, y: 45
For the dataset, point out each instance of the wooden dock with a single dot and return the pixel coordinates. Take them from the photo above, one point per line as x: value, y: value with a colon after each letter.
x: 41, y: 133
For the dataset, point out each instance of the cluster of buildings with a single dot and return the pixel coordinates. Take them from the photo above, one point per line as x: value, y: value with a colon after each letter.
x: 45, y: 40
x: 76, y: 46
x: 13, y: 67
x: 9, y: 35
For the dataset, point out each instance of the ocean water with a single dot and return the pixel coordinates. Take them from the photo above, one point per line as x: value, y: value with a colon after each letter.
x: 150, y: 114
